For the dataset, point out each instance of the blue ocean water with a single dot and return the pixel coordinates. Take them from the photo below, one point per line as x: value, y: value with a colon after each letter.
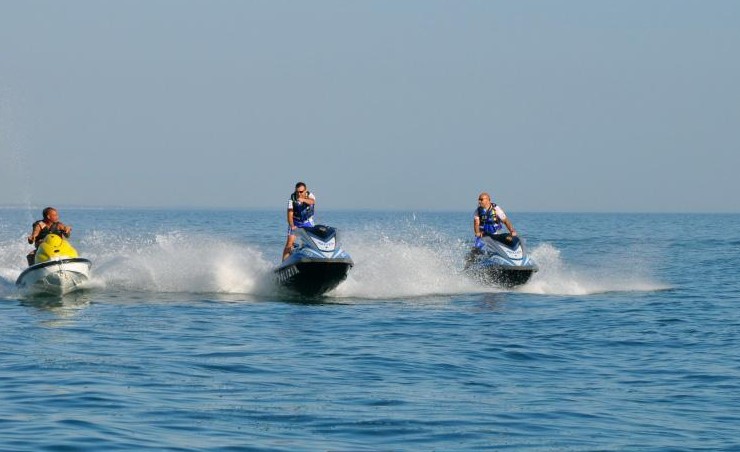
x: 627, y: 338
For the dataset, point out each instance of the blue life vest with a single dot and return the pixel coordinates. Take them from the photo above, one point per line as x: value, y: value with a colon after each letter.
x: 490, y: 223
x: 302, y: 212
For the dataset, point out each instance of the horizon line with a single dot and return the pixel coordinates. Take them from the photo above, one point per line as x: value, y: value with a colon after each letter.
x: 350, y: 209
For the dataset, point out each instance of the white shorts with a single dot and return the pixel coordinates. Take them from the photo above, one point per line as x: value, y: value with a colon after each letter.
x: 291, y: 231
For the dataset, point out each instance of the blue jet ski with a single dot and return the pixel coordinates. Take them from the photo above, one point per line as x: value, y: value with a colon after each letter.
x: 317, y: 264
x: 500, y: 260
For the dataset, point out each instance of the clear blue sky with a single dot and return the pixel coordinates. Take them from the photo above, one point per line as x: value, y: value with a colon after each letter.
x: 419, y: 104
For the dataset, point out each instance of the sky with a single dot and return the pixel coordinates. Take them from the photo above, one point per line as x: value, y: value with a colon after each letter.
x: 566, y: 106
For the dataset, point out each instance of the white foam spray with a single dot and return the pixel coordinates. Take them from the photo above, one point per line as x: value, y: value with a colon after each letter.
x: 12, y: 262
x: 385, y: 267
x: 179, y: 263
x: 388, y: 265
x: 557, y: 277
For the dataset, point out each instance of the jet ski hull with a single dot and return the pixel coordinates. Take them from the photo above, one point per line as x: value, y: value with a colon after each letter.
x: 503, y: 275
x: 312, y: 277
x: 55, y: 277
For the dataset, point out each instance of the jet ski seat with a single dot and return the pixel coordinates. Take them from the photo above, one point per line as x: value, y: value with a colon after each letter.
x: 505, y: 239
x: 324, y: 233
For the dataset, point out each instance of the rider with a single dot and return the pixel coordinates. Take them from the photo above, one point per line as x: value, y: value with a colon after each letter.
x: 49, y: 225
x: 300, y: 214
x: 488, y: 218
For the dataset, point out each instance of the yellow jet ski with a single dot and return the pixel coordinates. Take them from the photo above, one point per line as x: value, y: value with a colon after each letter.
x: 57, y: 269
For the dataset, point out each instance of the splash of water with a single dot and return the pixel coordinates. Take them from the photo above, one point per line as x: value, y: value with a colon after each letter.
x: 12, y: 262
x: 430, y: 264
x: 176, y: 262
x: 556, y: 277
x: 416, y: 264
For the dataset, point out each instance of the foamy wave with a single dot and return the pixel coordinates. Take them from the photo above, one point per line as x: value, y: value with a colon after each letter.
x: 415, y: 264
x: 394, y: 268
x: 178, y: 263
x: 7, y: 283
x: 555, y: 277
x: 12, y: 263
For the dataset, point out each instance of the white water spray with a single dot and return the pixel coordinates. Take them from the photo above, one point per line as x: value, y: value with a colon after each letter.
x: 557, y: 277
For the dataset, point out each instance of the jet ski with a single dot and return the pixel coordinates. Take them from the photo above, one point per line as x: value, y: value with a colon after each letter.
x: 57, y: 269
x: 500, y: 260
x: 317, y: 264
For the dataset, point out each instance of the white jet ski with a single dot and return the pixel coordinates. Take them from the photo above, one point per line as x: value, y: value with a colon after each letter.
x: 57, y: 269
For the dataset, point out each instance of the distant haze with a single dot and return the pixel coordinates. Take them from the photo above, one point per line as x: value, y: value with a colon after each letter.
x: 421, y: 104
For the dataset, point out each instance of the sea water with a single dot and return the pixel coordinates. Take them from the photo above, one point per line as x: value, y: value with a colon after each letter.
x: 627, y: 338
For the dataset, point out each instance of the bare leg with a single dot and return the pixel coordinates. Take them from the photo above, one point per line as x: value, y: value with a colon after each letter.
x: 288, y: 246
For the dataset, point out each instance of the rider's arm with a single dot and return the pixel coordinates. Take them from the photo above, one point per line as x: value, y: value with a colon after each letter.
x: 35, y: 233
x: 66, y: 229
x: 476, y: 227
x: 290, y: 218
x: 310, y: 199
x: 509, y: 226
